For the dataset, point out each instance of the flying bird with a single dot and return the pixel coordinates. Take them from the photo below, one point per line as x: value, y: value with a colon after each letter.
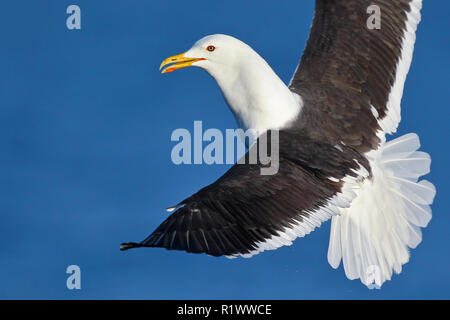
x: 334, y: 159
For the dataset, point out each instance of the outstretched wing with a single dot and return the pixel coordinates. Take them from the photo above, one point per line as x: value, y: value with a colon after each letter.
x: 351, y: 76
x: 244, y: 212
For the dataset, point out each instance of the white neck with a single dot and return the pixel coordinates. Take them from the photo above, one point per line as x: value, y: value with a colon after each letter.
x: 255, y: 94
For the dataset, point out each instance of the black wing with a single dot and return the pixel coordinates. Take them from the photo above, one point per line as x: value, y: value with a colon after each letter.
x: 351, y: 77
x: 244, y: 212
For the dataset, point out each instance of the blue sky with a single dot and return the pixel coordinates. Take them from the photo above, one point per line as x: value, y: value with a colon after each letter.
x: 85, y: 125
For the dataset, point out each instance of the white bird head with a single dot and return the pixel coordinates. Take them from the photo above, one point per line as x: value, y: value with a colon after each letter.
x: 255, y: 94
x: 211, y: 53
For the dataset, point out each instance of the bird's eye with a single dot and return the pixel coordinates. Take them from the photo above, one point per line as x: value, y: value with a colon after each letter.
x: 210, y: 48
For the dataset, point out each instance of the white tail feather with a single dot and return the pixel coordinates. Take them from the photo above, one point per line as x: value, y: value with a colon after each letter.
x: 373, y: 236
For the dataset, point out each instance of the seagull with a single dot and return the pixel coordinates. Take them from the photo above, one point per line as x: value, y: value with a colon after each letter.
x: 335, y: 162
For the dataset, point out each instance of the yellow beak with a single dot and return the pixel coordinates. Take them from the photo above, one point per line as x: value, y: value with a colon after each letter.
x: 177, y: 62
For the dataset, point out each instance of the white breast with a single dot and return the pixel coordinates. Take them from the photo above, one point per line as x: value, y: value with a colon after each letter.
x: 256, y: 95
